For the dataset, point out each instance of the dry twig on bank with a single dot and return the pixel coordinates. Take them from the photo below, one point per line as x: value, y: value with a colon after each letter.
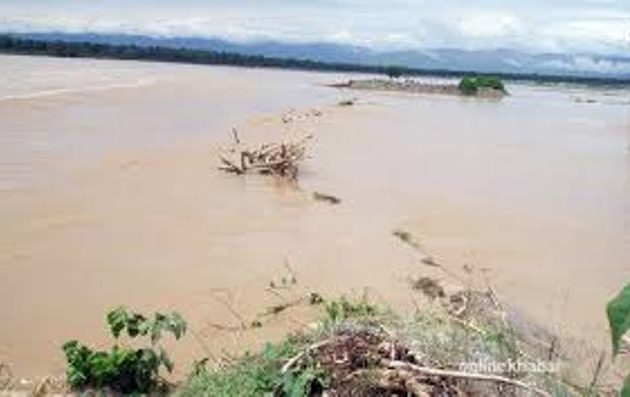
x: 464, y: 375
x: 5, y: 376
x: 293, y: 360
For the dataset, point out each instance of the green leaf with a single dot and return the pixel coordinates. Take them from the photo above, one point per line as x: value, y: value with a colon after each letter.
x: 173, y: 323
x: 159, y: 324
x: 123, y: 370
x: 137, y: 325
x: 117, y: 320
x: 625, y: 392
x: 177, y: 325
x: 618, y: 311
x: 70, y: 347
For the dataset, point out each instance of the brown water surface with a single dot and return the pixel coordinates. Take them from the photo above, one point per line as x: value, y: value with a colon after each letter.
x: 109, y: 194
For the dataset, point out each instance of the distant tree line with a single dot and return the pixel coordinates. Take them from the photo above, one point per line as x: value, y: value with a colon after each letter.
x: 14, y: 45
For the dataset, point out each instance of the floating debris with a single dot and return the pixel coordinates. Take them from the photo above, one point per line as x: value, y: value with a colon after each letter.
x: 277, y: 158
x: 347, y: 102
x: 326, y: 198
x: 406, y: 237
x: 429, y: 287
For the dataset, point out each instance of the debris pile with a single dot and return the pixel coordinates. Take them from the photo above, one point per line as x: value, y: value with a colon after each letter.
x: 275, y: 158
x: 367, y: 361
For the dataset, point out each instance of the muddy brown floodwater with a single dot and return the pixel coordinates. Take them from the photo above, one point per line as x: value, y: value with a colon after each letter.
x: 109, y: 194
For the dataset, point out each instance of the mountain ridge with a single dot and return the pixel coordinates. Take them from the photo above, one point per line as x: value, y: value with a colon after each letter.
x: 500, y: 60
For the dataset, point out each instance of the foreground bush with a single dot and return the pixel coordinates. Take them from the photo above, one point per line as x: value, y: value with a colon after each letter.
x: 358, y: 349
x: 124, y: 369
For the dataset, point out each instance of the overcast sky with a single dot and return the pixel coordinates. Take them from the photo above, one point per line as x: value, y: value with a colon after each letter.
x: 601, y: 26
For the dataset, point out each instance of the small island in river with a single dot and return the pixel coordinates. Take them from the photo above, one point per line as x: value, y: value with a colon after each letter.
x: 484, y: 87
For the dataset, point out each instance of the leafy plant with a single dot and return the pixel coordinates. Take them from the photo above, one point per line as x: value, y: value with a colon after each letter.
x: 618, y: 311
x: 341, y: 309
x: 302, y: 383
x: 259, y: 375
x: 124, y: 369
x: 467, y: 86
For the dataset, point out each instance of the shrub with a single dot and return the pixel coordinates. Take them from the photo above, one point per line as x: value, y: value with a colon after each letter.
x: 337, y: 311
x: 258, y: 375
x: 124, y: 369
x: 471, y: 85
x: 393, y: 71
x: 467, y: 86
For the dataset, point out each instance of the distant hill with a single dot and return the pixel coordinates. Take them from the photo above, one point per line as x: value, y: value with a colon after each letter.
x: 485, y: 61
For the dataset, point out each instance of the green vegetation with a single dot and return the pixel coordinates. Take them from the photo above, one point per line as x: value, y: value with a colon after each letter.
x: 618, y: 311
x: 261, y: 374
x: 338, y: 311
x: 124, y: 369
x: 11, y: 44
x: 472, y: 85
x: 394, y: 72
x: 257, y: 375
x: 352, y: 350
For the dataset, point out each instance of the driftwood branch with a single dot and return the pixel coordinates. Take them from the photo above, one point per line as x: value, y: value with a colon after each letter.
x: 400, y: 365
x: 277, y: 158
x: 293, y: 360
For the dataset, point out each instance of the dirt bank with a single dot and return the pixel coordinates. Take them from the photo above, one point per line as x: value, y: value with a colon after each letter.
x: 416, y: 87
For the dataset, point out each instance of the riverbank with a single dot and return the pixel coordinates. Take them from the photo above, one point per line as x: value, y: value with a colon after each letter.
x: 457, y: 342
x: 464, y: 344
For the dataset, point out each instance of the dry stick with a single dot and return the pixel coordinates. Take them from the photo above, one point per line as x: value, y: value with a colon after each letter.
x: 9, y: 376
x: 292, y: 361
x: 497, y: 303
x: 484, y: 333
x: 228, y: 306
x: 203, y: 345
x: 598, y: 369
x: 468, y: 325
x: 493, y: 297
x: 229, y: 166
x: 465, y: 375
x: 235, y: 134
x: 274, y: 292
x: 279, y: 308
x: 287, y: 265
x: 552, y: 348
x: 244, y: 156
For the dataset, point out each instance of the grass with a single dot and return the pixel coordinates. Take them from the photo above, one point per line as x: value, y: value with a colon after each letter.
x: 250, y: 375
x: 358, y: 330
x: 259, y: 374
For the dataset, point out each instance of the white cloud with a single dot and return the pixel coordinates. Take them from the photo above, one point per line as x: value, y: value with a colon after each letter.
x: 534, y: 25
x: 588, y: 64
x: 491, y: 24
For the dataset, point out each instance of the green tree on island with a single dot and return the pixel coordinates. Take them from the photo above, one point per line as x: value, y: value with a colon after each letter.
x: 393, y: 72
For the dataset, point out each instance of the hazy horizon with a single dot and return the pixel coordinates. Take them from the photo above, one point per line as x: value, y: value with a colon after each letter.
x: 559, y: 26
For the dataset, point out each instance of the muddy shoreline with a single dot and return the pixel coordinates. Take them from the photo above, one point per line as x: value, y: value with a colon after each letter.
x: 415, y: 87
